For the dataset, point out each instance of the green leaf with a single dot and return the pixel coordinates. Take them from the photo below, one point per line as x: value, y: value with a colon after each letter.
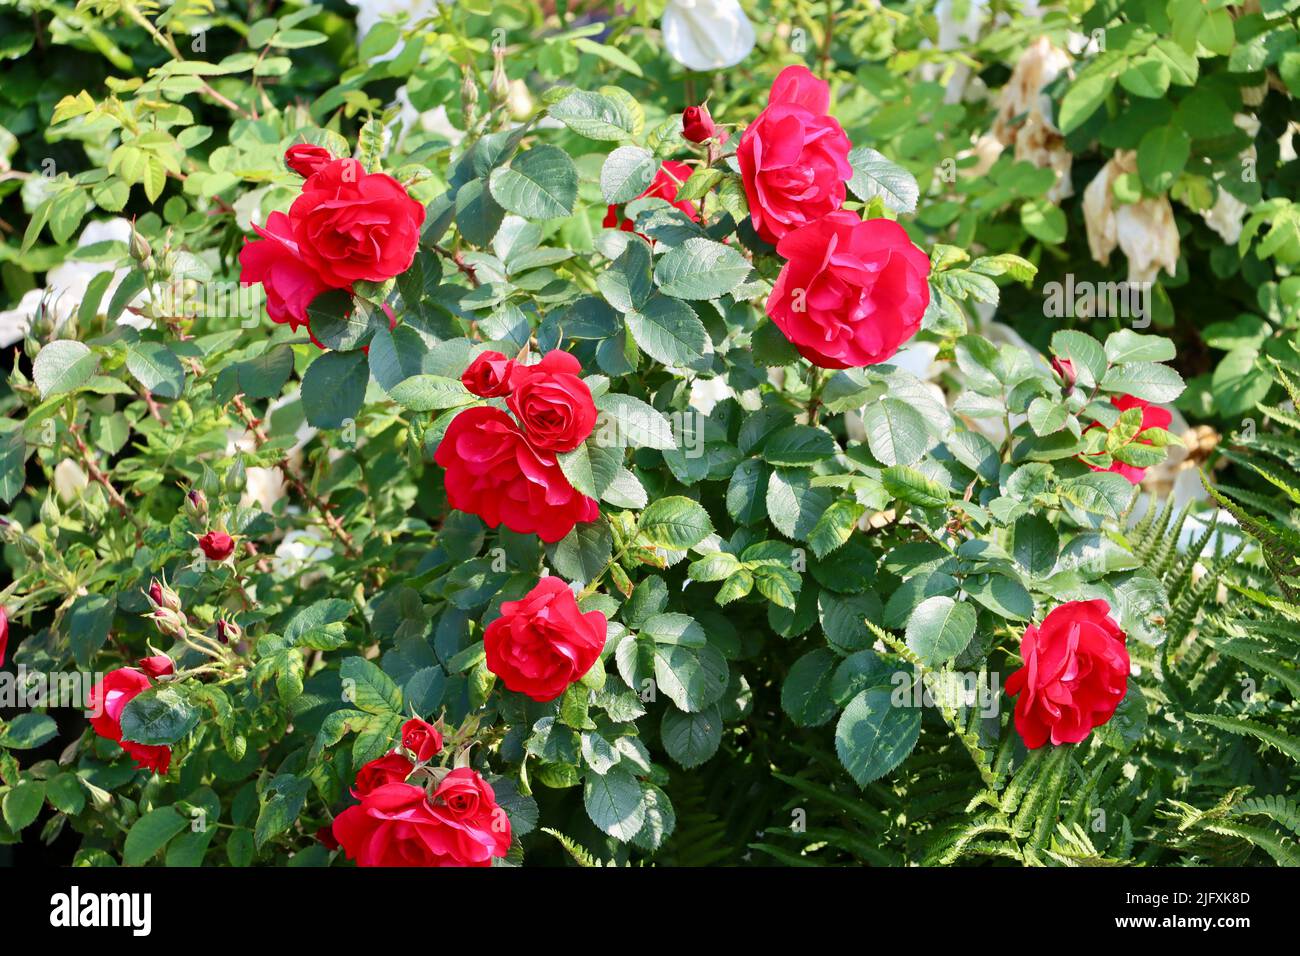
x: 896, y: 431
x: 691, y: 739
x: 1155, y: 383
x: 150, y: 834
x: 1085, y: 354
x: 633, y: 422
x: 835, y: 526
x: 157, y: 368
x: 1162, y: 155
x: 700, y: 269
x: 88, y: 624
x: 793, y: 504
x: 669, y: 331
x: 23, y: 803
x: 1035, y: 544
x: 539, y: 183
x: 159, y: 715
x: 874, y: 736
x: 63, y: 366
x: 13, y: 459
x: 805, y: 693
x: 874, y: 176
x: 334, y: 387
x: 28, y: 731
x: 1128, y: 346
x: 692, y: 677
x: 583, y: 553
x: 338, y: 322
x: 594, y: 116
x: 939, y: 629
x: 614, y: 803
x: 369, y: 688
x: 913, y: 487
x: 425, y: 392
x: 288, y: 794
x: 1083, y: 98
x: 627, y: 173
x: 798, y: 445
x: 675, y: 522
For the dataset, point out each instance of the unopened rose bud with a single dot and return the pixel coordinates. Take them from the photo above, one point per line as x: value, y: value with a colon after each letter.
x: 228, y: 632
x: 140, y: 250
x: 499, y: 86
x: 162, y: 597
x: 160, y: 665
x: 697, y: 124
x: 196, y: 504
x: 170, y: 623
x: 1065, y: 369
x: 469, y: 97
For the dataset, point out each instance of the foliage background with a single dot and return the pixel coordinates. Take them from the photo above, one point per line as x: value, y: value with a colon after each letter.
x: 100, y: 118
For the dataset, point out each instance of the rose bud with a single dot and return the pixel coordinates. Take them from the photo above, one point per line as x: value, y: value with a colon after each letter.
x: 305, y: 158
x: 228, y: 631
x: 697, y: 124
x: 4, y: 633
x: 160, y: 665
x: 196, y: 504
x: 421, y: 738
x: 488, y: 376
x: 499, y: 85
x: 217, y: 545
x: 163, y: 597
x: 1065, y: 369
x: 325, y: 837
x: 139, y: 245
x: 170, y: 623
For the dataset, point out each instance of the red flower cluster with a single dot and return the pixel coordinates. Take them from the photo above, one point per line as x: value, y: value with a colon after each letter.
x: 109, y: 698
x: 852, y: 291
x: 346, y: 226
x: 217, y: 545
x: 1075, y: 674
x: 1153, y: 416
x: 508, y: 474
x: 401, y: 824
x: 543, y: 643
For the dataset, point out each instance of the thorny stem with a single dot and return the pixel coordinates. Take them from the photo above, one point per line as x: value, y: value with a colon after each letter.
x: 98, y: 476
x: 331, y: 522
x: 167, y: 44
x: 459, y: 261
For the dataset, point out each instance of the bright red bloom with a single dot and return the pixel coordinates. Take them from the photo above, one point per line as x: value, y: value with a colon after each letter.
x: 217, y: 545
x: 488, y: 376
x: 852, y: 291
x: 1075, y: 674
x: 552, y: 403
x: 398, y: 824
x: 492, y: 471
x: 108, y: 699
x: 543, y: 643
x: 353, y: 226
x: 160, y: 665
x: 390, y: 768
x: 1153, y: 416
x: 671, y: 177
x: 794, y: 159
x: 274, y: 260
x: 307, y: 158
x: 421, y: 739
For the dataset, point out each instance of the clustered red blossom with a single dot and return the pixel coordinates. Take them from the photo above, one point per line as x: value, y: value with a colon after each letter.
x: 433, y: 817
x: 851, y: 291
x: 505, y: 471
x: 109, y: 698
x: 543, y: 643
x: 346, y: 226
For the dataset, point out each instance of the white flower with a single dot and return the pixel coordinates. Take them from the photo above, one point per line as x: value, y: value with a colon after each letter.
x: 66, y: 284
x: 1025, y: 114
x: 707, y: 34
x: 1144, y: 230
x: 69, y: 480
x: 1225, y: 216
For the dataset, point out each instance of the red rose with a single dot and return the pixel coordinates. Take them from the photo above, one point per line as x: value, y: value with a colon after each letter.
x: 794, y: 159
x: 160, y: 665
x: 398, y: 824
x: 217, y: 545
x: 852, y: 292
x: 4, y: 634
x: 421, y: 739
x: 390, y: 768
x: 543, y: 643
x: 491, y: 471
x: 354, y: 226
x: 1153, y: 416
x: 1075, y: 674
x: 107, y: 700
x: 306, y: 158
x: 488, y: 376
x: 476, y: 828
x: 1065, y: 369
x: 290, y: 283
x: 670, y: 178
x: 697, y: 125
x: 552, y: 403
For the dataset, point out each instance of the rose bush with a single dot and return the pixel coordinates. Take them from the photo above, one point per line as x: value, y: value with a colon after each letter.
x: 443, y: 447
